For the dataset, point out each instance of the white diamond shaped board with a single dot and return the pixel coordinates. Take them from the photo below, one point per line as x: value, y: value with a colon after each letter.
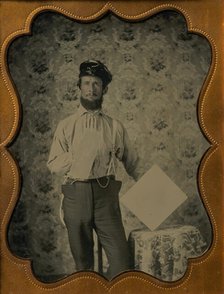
x: 154, y: 197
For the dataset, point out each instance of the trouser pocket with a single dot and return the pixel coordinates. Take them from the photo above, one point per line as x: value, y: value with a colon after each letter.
x: 68, y: 190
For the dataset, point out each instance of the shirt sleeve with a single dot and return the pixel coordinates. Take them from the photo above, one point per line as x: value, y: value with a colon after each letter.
x: 59, y: 158
x: 130, y: 158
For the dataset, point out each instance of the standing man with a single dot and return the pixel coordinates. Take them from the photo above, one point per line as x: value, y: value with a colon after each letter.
x: 85, y: 150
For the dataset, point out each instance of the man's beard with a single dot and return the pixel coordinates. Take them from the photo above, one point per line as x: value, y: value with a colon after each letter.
x: 91, y: 105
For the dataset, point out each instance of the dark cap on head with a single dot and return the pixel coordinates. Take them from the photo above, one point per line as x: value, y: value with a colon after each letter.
x: 95, y: 68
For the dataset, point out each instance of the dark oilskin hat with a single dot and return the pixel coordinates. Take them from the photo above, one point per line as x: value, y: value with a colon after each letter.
x: 95, y: 68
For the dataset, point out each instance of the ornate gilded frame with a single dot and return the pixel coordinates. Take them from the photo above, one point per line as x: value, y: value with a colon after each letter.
x: 204, y: 274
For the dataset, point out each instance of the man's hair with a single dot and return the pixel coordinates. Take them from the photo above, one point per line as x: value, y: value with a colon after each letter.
x: 79, y: 83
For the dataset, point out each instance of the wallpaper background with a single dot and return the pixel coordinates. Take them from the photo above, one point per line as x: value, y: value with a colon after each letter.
x: 158, y: 70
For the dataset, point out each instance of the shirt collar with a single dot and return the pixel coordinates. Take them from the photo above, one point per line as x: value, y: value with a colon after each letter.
x: 82, y: 110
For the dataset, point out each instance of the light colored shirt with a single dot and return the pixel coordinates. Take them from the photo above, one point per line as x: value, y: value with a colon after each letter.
x: 83, y: 143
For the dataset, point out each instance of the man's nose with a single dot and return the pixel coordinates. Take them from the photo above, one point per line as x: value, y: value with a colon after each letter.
x: 91, y: 87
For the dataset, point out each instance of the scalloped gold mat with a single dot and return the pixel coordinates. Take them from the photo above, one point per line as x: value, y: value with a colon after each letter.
x: 203, y: 17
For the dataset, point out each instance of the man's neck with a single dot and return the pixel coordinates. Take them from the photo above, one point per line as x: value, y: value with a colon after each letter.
x: 83, y: 110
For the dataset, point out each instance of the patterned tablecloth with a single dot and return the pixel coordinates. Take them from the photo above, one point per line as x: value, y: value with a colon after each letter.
x: 164, y: 253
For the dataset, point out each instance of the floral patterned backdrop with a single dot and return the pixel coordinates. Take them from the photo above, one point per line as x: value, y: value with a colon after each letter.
x: 158, y: 70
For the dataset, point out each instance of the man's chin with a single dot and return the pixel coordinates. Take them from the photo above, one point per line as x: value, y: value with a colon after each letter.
x: 91, y: 104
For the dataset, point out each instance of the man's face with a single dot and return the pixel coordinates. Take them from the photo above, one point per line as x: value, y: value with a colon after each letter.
x: 91, y: 88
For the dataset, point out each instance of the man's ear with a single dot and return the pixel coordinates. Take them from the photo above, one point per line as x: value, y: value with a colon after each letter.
x: 105, y: 90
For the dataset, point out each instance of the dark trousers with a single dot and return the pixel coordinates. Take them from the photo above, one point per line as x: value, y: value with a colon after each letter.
x: 88, y: 206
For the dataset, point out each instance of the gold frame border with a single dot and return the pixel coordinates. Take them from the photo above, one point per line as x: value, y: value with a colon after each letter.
x: 11, y: 169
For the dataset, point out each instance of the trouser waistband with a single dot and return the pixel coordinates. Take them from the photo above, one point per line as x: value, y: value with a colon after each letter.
x: 104, y: 178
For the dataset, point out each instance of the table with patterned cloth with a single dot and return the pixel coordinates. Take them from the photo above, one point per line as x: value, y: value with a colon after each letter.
x: 164, y: 253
